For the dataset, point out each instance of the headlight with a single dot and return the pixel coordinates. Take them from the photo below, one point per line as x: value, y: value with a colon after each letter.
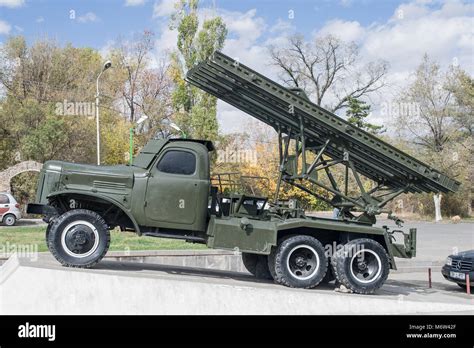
x: 449, y: 261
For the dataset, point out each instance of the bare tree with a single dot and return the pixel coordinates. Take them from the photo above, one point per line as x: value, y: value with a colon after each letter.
x: 439, y: 123
x: 132, y: 58
x: 140, y: 86
x: 430, y: 124
x: 154, y: 97
x: 327, y: 66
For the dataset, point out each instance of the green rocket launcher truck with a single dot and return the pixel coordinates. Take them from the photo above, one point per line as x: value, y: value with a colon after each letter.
x: 168, y: 193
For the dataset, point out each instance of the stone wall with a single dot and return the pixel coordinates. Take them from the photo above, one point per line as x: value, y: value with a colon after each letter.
x: 8, y: 174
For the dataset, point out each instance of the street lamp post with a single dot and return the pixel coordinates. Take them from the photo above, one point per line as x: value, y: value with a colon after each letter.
x: 107, y: 65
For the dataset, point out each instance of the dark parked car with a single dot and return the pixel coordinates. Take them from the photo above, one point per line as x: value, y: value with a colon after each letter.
x: 458, y: 266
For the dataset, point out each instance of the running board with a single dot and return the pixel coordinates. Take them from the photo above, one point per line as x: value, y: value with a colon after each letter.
x: 174, y: 236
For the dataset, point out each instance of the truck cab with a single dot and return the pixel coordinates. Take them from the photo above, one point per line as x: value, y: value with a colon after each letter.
x: 176, y: 185
x: 166, y: 189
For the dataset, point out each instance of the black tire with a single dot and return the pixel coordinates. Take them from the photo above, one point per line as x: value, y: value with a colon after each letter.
x: 272, y: 255
x: 299, y: 262
x: 85, y: 232
x: 48, y: 228
x: 271, y: 263
x: 361, y: 275
x: 257, y: 265
x: 9, y: 220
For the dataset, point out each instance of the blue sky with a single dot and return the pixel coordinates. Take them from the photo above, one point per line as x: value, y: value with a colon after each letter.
x: 398, y: 32
x: 113, y: 18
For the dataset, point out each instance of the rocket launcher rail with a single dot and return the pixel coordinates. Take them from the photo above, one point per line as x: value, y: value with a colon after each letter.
x: 321, y: 132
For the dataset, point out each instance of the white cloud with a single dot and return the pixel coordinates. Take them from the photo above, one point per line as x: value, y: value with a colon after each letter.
x: 89, y: 17
x: 443, y: 34
x: 345, y: 30
x: 163, y: 8
x: 346, y: 3
x: 282, y: 26
x: 107, y: 48
x: 246, y: 26
x: 244, y: 42
x: 167, y: 40
x: 135, y: 2
x: 443, y: 31
x: 12, y: 3
x: 4, y: 28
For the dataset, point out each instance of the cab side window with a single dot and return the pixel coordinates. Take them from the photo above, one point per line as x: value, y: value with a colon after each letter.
x: 177, y: 162
x: 4, y: 199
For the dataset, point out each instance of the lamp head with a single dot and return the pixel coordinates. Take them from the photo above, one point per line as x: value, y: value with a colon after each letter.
x: 142, y: 119
x: 107, y: 65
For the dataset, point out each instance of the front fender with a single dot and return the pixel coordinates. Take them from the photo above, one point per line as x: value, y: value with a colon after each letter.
x: 98, y: 197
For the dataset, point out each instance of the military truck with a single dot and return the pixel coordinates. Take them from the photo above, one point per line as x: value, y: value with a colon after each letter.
x: 167, y: 192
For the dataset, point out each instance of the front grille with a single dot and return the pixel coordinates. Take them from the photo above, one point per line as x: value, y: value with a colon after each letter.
x: 462, y: 265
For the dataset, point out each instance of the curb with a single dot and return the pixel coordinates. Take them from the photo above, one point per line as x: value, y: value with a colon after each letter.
x: 221, y: 259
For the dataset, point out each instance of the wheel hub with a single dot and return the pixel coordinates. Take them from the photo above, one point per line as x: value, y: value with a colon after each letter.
x: 366, y: 266
x: 303, y: 262
x: 80, y: 239
x: 300, y: 261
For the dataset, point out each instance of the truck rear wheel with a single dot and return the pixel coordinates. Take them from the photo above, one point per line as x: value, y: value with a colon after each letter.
x: 361, y: 266
x: 256, y: 265
x: 299, y: 262
x: 79, y: 238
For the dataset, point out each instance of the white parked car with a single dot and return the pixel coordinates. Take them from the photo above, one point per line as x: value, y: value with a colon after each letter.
x: 9, y: 209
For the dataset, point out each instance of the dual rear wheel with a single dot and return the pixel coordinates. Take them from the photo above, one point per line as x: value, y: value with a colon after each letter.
x: 301, y: 261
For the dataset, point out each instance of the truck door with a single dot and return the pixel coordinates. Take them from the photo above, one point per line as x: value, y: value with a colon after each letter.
x: 172, y: 190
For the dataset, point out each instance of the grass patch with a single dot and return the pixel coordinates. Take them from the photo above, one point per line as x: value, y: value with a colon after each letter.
x: 120, y: 241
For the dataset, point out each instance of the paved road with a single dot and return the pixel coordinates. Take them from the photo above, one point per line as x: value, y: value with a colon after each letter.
x: 435, y: 241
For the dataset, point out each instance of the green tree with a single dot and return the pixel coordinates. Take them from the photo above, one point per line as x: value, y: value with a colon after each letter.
x: 35, y: 78
x: 46, y: 141
x: 357, y: 113
x: 195, y: 110
x: 441, y: 128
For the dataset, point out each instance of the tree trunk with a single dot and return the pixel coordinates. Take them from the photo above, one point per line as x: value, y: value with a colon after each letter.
x: 437, y: 203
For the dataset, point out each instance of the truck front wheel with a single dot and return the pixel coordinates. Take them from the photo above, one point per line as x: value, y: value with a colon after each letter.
x: 361, y: 266
x: 256, y: 265
x: 299, y: 262
x: 79, y: 238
